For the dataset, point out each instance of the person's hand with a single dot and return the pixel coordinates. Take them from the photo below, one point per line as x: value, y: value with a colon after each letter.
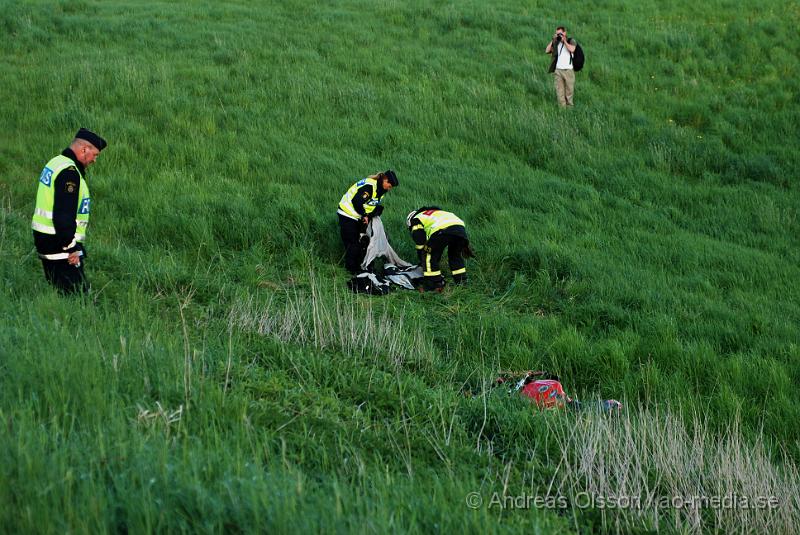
x: 74, y: 259
x: 365, y: 220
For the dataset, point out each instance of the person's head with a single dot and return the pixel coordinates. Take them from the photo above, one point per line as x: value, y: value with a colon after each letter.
x: 388, y: 180
x: 410, y: 216
x: 87, y: 146
x: 562, y: 30
x: 413, y: 213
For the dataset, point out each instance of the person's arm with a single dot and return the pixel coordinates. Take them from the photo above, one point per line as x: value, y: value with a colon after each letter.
x: 419, y: 237
x: 571, y: 44
x: 551, y: 45
x: 65, y: 207
x: 363, y: 194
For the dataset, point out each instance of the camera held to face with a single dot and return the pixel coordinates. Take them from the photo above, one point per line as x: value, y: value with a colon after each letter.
x: 559, y: 36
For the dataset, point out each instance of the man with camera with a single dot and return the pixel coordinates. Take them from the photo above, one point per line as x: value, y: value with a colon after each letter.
x: 562, y: 48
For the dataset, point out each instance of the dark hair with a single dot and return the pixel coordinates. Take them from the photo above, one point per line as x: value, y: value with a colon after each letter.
x: 561, y: 28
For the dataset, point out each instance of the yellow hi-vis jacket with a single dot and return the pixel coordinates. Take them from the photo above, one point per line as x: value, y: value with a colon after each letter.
x: 42, y: 220
x: 435, y: 220
x: 431, y: 222
x: 346, y: 207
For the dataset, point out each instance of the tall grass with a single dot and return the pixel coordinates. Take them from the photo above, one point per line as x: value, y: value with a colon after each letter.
x: 651, y: 469
x: 333, y: 318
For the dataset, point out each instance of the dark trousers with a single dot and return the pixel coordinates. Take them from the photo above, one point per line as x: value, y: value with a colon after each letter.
x: 455, y: 246
x: 68, y: 279
x: 354, y: 249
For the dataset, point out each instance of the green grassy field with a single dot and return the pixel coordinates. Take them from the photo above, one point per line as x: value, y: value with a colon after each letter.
x: 644, y: 245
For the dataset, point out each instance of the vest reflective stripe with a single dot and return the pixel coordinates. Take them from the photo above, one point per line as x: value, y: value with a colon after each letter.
x: 346, y: 203
x: 436, y: 220
x: 44, y: 229
x: 459, y: 271
x: 80, y: 230
x: 42, y: 220
x: 82, y: 216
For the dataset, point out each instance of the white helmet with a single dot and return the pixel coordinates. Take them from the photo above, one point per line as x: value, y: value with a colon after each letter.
x: 410, y: 216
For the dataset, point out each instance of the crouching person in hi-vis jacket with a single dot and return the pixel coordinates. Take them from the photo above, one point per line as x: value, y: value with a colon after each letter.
x: 61, y: 216
x: 433, y: 229
x: 360, y: 203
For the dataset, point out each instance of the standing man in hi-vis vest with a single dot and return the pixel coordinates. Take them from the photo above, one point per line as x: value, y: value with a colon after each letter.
x: 61, y: 216
x: 360, y: 203
x: 433, y: 229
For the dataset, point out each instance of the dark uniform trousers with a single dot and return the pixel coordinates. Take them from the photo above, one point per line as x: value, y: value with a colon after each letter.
x: 455, y: 244
x: 354, y: 248
x: 68, y: 279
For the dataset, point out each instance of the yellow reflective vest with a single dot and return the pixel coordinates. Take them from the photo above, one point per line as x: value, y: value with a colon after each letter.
x: 346, y: 207
x: 42, y: 220
x: 436, y: 220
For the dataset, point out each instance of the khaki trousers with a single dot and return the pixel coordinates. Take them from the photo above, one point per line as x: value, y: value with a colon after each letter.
x: 565, y: 85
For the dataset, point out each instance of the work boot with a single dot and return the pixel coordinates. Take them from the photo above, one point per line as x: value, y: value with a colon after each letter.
x: 434, y: 284
x: 438, y: 290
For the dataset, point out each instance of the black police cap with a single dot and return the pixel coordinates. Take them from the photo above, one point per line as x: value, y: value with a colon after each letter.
x: 91, y: 137
x: 391, y: 177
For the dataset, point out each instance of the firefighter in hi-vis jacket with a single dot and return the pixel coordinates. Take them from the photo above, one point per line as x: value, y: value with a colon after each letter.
x: 433, y: 229
x: 360, y: 203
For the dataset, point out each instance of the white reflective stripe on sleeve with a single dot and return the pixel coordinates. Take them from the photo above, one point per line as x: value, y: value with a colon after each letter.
x: 58, y: 256
x: 46, y: 229
x: 43, y: 213
x: 81, y: 223
x: 54, y: 256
